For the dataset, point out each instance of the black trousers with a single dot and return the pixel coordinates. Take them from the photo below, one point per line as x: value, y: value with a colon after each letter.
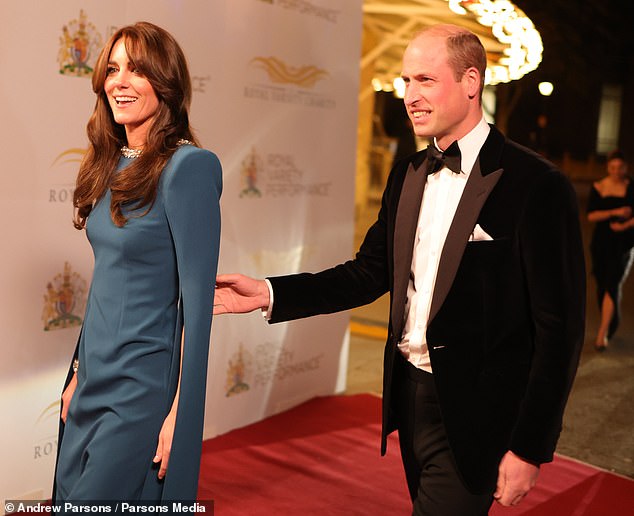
x: 432, y: 478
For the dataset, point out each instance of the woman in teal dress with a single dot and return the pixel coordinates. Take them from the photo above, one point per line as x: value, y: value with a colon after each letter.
x: 148, y: 197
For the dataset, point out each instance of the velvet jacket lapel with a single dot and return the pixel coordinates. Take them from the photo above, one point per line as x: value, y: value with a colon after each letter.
x: 482, y: 180
x: 404, y: 234
x: 475, y: 194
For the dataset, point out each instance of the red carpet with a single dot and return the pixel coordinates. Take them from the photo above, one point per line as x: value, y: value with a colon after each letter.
x: 322, y: 458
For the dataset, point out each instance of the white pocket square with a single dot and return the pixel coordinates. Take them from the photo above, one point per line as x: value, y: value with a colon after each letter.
x: 478, y: 234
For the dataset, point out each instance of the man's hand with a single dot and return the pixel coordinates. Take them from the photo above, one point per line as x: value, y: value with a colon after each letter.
x: 516, y: 477
x: 239, y: 294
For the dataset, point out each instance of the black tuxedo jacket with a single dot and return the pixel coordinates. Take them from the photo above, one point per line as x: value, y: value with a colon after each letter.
x: 507, y: 315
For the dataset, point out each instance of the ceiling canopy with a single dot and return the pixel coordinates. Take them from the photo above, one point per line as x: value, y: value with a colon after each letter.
x: 513, y: 45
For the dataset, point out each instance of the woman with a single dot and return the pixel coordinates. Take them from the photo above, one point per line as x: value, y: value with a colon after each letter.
x: 610, y: 205
x: 149, y: 201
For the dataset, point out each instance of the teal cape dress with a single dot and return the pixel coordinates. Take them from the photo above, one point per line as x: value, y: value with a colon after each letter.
x: 150, y: 277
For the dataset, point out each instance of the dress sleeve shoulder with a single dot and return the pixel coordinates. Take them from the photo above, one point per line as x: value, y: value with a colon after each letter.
x: 191, y: 191
x: 629, y: 194
x: 594, y: 200
x: 191, y: 188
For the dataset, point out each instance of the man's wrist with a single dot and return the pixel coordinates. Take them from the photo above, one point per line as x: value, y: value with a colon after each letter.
x: 267, y: 305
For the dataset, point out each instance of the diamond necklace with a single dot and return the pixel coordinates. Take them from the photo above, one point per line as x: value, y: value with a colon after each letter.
x: 127, y: 152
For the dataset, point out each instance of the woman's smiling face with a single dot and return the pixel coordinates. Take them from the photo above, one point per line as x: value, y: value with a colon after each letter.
x: 131, y: 97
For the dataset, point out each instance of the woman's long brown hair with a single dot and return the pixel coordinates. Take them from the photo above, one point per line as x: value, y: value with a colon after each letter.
x: 156, y: 55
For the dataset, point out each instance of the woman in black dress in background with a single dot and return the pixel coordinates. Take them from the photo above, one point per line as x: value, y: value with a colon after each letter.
x: 611, y: 207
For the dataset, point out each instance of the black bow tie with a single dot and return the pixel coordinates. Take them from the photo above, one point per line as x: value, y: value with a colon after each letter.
x: 437, y: 160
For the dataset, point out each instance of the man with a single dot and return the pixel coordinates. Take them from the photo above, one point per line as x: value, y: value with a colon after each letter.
x: 485, y: 269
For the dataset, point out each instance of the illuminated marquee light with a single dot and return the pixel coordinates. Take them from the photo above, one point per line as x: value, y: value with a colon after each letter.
x: 510, y: 26
x: 455, y: 6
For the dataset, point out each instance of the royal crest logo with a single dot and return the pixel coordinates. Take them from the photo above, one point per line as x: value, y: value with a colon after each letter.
x: 237, y: 372
x: 80, y: 44
x: 251, y: 165
x: 65, y: 297
x: 281, y: 73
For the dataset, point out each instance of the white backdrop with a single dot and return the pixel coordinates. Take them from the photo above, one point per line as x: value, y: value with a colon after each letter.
x: 275, y: 97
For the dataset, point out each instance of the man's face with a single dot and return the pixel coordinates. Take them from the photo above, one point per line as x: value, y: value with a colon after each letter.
x: 437, y: 105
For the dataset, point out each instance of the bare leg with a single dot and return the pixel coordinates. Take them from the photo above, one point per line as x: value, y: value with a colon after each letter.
x: 607, y: 312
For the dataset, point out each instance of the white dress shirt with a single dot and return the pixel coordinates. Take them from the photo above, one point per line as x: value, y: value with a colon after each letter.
x: 440, y: 199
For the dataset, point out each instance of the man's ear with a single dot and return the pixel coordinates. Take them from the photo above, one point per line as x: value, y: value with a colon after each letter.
x: 471, y: 78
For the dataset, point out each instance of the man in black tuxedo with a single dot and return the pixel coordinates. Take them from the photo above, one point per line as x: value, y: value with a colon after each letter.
x: 480, y: 249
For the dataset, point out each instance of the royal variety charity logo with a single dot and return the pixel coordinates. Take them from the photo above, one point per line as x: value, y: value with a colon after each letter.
x: 281, y: 73
x: 65, y: 297
x: 238, y: 371
x: 80, y: 44
x: 251, y: 165
x: 306, y: 8
x: 65, y: 166
x: 275, y: 174
x: 46, y: 444
x: 269, y: 363
x: 200, y: 83
x: 75, y: 155
x: 277, y: 81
